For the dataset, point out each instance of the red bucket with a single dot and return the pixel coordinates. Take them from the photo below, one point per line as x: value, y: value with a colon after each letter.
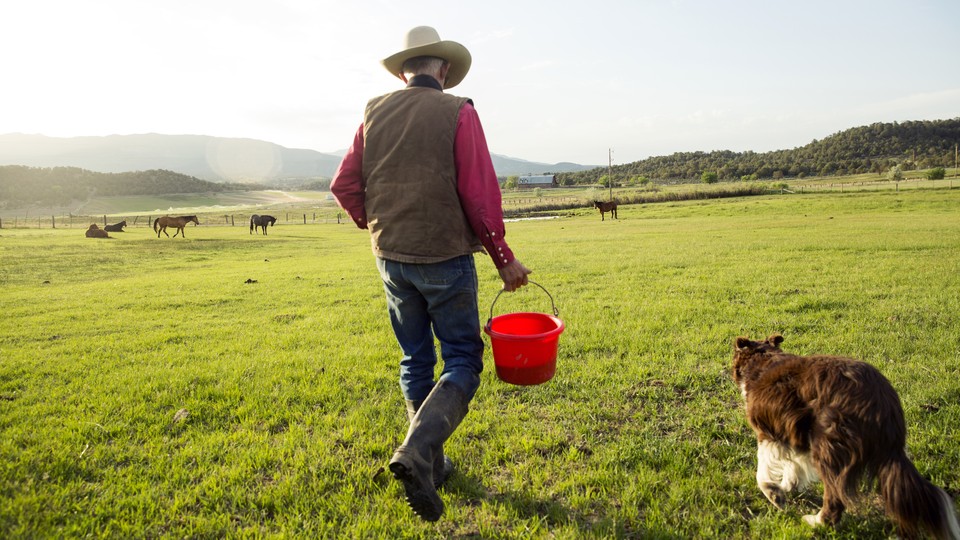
x: 525, y: 344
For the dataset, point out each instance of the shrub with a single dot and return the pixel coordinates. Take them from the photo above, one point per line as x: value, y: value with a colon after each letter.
x: 937, y: 173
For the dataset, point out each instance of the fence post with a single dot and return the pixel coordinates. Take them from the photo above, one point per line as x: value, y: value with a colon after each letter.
x: 304, y: 219
x: 53, y: 219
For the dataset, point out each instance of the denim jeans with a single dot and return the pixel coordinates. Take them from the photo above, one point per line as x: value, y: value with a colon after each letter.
x: 427, y: 300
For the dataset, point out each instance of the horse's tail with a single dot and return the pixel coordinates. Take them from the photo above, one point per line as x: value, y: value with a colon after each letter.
x: 251, y: 224
x: 155, y: 223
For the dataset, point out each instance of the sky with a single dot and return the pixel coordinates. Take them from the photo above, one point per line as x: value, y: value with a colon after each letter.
x: 588, y: 82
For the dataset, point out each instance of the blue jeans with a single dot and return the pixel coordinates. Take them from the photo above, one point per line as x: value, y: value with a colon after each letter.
x: 427, y: 300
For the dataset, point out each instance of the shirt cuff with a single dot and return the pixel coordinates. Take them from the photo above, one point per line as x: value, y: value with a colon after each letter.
x: 498, y: 249
x: 360, y: 220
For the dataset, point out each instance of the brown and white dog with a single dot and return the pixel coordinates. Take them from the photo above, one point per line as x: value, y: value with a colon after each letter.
x: 838, y: 420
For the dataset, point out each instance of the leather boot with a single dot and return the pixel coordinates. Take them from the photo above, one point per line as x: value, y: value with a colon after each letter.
x: 442, y: 465
x: 412, y: 463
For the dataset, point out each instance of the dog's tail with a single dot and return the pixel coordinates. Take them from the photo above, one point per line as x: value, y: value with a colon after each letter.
x: 914, y: 503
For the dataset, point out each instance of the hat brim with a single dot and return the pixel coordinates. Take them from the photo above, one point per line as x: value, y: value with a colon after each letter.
x: 456, y: 54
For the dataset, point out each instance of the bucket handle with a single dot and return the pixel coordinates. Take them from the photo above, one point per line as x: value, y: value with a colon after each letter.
x: 556, y: 312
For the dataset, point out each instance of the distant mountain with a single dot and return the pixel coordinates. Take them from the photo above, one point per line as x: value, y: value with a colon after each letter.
x: 507, y: 166
x: 215, y: 159
x: 208, y: 158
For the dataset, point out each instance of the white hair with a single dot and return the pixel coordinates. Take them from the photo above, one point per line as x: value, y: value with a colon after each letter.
x: 423, y: 65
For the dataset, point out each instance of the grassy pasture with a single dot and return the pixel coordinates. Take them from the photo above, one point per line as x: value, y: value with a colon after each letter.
x: 148, y: 390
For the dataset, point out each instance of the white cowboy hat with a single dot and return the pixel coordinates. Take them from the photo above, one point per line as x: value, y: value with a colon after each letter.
x: 425, y: 41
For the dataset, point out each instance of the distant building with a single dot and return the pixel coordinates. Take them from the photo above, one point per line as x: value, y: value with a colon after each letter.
x: 540, y: 181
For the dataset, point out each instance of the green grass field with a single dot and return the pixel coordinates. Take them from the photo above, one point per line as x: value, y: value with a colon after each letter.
x: 148, y: 390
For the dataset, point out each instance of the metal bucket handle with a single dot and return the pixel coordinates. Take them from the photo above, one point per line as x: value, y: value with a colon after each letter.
x: 556, y: 312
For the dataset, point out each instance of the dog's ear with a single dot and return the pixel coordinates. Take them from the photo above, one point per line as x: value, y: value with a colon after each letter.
x: 775, y: 340
x: 741, y: 343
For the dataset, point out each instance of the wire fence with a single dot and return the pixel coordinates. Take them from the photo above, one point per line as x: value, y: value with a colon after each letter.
x: 513, y: 206
x: 878, y: 185
x: 81, y: 221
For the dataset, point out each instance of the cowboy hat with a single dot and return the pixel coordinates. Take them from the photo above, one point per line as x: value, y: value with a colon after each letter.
x: 425, y: 41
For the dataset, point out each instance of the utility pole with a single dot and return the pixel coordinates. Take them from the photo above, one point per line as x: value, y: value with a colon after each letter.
x: 610, y: 171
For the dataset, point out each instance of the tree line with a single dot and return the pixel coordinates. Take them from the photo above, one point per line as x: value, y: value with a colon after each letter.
x: 867, y: 149
x: 61, y: 186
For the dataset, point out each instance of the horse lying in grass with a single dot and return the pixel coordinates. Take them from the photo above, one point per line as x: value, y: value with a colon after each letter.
x: 116, y: 227
x: 96, y: 232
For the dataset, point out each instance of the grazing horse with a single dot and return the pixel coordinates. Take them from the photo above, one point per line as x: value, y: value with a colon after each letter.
x: 96, y: 232
x: 161, y: 223
x: 261, y: 222
x: 116, y: 227
x: 606, y: 207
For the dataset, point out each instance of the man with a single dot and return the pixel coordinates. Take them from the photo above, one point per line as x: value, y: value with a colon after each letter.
x: 420, y: 178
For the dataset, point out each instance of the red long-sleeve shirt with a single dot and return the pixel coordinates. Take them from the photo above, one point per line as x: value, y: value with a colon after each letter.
x: 477, y: 185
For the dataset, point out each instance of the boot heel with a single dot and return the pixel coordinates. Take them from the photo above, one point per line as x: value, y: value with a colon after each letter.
x: 421, y: 496
x: 400, y: 471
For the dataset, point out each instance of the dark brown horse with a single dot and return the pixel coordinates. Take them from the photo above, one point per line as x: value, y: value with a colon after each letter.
x: 261, y: 222
x: 161, y: 223
x: 116, y: 227
x: 605, y: 207
x: 96, y: 232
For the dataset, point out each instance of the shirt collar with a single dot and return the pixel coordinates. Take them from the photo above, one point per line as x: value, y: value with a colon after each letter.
x: 425, y: 81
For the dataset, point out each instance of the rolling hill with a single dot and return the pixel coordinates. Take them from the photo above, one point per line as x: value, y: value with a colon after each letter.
x: 214, y: 159
x: 874, y: 148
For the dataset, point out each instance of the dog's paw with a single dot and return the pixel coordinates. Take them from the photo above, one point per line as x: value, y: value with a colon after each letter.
x: 812, y: 520
x: 774, y: 494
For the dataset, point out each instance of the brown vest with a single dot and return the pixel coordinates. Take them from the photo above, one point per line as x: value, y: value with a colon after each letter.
x: 413, y: 210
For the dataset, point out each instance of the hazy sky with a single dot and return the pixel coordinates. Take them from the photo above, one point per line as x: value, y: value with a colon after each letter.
x: 553, y: 80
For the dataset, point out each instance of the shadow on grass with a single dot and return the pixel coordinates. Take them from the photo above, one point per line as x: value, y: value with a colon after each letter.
x: 865, y: 520
x: 549, y: 512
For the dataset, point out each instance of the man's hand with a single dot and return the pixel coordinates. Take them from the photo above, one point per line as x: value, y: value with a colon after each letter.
x: 514, y: 275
